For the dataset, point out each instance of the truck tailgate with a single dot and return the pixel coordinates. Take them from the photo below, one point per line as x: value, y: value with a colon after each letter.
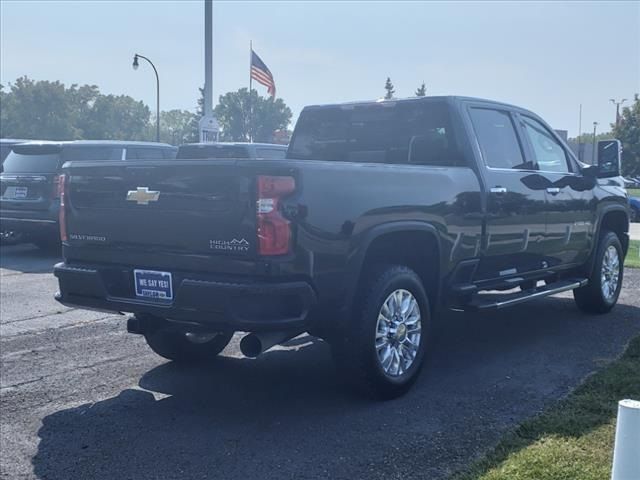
x: 194, y: 207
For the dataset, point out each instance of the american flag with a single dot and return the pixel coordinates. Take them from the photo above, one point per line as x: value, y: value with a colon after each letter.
x: 261, y: 74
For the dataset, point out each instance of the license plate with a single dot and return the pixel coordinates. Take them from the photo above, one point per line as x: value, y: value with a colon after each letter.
x: 16, y: 193
x: 153, y: 285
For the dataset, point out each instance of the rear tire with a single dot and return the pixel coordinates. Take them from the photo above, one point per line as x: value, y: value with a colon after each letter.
x: 605, y: 281
x: 384, y: 347
x: 634, y: 215
x: 174, y: 345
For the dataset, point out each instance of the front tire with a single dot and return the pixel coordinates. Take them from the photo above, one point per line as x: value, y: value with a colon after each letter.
x: 634, y: 215
x: 384, y: 348
x: 605, y: 281
x: 175, y: 345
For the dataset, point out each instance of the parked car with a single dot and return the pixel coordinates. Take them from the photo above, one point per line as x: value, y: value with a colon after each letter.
x: 382, y: 215
x: 191, y: 151
x: 30, y: 201
x: 634, y: 209
x: 8, y: 237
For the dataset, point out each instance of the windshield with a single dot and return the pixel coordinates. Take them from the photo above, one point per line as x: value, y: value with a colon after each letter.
x: 380, y: 133
x: 32, y: 160
x: 212, y: 151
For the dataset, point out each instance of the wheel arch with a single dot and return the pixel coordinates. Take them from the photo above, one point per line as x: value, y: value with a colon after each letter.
x: 374, y: 248
x: 615, y: 218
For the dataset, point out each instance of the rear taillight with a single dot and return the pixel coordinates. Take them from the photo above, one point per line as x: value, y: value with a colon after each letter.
x: 62, y: 194
x: 56, y: 186
x: 274, y: 231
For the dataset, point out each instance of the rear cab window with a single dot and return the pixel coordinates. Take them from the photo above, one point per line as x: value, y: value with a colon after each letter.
x: 417, y: 132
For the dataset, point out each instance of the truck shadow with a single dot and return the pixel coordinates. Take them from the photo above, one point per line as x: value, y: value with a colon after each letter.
x: 285, y: 415
x: 27, y: 258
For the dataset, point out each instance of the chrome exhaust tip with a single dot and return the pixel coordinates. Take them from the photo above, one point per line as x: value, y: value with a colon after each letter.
x: 255, y: 344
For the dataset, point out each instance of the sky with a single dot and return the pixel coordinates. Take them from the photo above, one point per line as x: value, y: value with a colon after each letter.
x: 549, y: 57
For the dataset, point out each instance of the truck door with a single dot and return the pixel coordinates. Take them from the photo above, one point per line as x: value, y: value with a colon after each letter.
x: 568, y: 194
x: 515, y: 224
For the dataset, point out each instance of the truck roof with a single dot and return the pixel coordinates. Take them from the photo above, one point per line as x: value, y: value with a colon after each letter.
x: 450, y: 98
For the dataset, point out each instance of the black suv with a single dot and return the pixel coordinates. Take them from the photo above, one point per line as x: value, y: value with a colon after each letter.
x: 30, y: 202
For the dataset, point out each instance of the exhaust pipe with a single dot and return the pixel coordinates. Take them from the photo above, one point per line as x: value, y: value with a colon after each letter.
x: 255, y: 344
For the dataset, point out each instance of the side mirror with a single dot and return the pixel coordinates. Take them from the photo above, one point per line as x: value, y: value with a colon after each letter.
x: 609, y: 158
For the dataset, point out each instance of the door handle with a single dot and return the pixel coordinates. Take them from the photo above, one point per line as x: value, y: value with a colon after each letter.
x: 553, y: 190
x: 498, y: 190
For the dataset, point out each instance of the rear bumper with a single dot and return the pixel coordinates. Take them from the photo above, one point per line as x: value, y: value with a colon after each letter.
x: 41, y: 223
x: 209, y: 302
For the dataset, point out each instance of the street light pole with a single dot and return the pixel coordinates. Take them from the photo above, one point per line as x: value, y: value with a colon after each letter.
x: 593, y: 147
x: 617, y: 104
x: 135, y: 67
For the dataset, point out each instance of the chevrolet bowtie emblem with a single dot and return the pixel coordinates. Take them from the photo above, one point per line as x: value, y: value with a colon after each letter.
x: 142, y: 195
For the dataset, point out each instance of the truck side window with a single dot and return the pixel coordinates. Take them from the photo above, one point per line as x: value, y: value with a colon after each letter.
x: 497, y: 138
x: 550, y: 155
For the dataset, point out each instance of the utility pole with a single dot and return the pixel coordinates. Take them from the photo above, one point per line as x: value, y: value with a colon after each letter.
x: 617, y: 104
x: 208, y: 63
x: 579, y: 134
x: 593, y: 147
x: 208, y: 124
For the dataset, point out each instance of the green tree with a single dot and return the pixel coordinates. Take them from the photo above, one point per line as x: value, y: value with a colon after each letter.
x: 39, y: 110
x: 176, y: 127
x: 421, y: 91
x: 4, y: 117
x: 628, y: 132
x: 388, y: 86
x: 269, y: 115
x: 117, y: 117
x: 82, y: 100
x: 46, y: 110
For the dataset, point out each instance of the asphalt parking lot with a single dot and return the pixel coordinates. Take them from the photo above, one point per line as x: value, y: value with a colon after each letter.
x: 82, y: 399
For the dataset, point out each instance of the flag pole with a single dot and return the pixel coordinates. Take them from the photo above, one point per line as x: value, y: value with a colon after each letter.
x: 250, y: 86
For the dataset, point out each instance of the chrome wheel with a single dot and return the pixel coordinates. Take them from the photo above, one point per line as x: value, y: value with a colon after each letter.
x: 398, y: 332
x: 610, y: 273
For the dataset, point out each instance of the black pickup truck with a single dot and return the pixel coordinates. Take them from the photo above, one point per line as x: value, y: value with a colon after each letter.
x: 382, y: 214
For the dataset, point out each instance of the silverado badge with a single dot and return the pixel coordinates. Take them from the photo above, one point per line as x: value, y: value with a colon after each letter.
x: 142, y: 195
